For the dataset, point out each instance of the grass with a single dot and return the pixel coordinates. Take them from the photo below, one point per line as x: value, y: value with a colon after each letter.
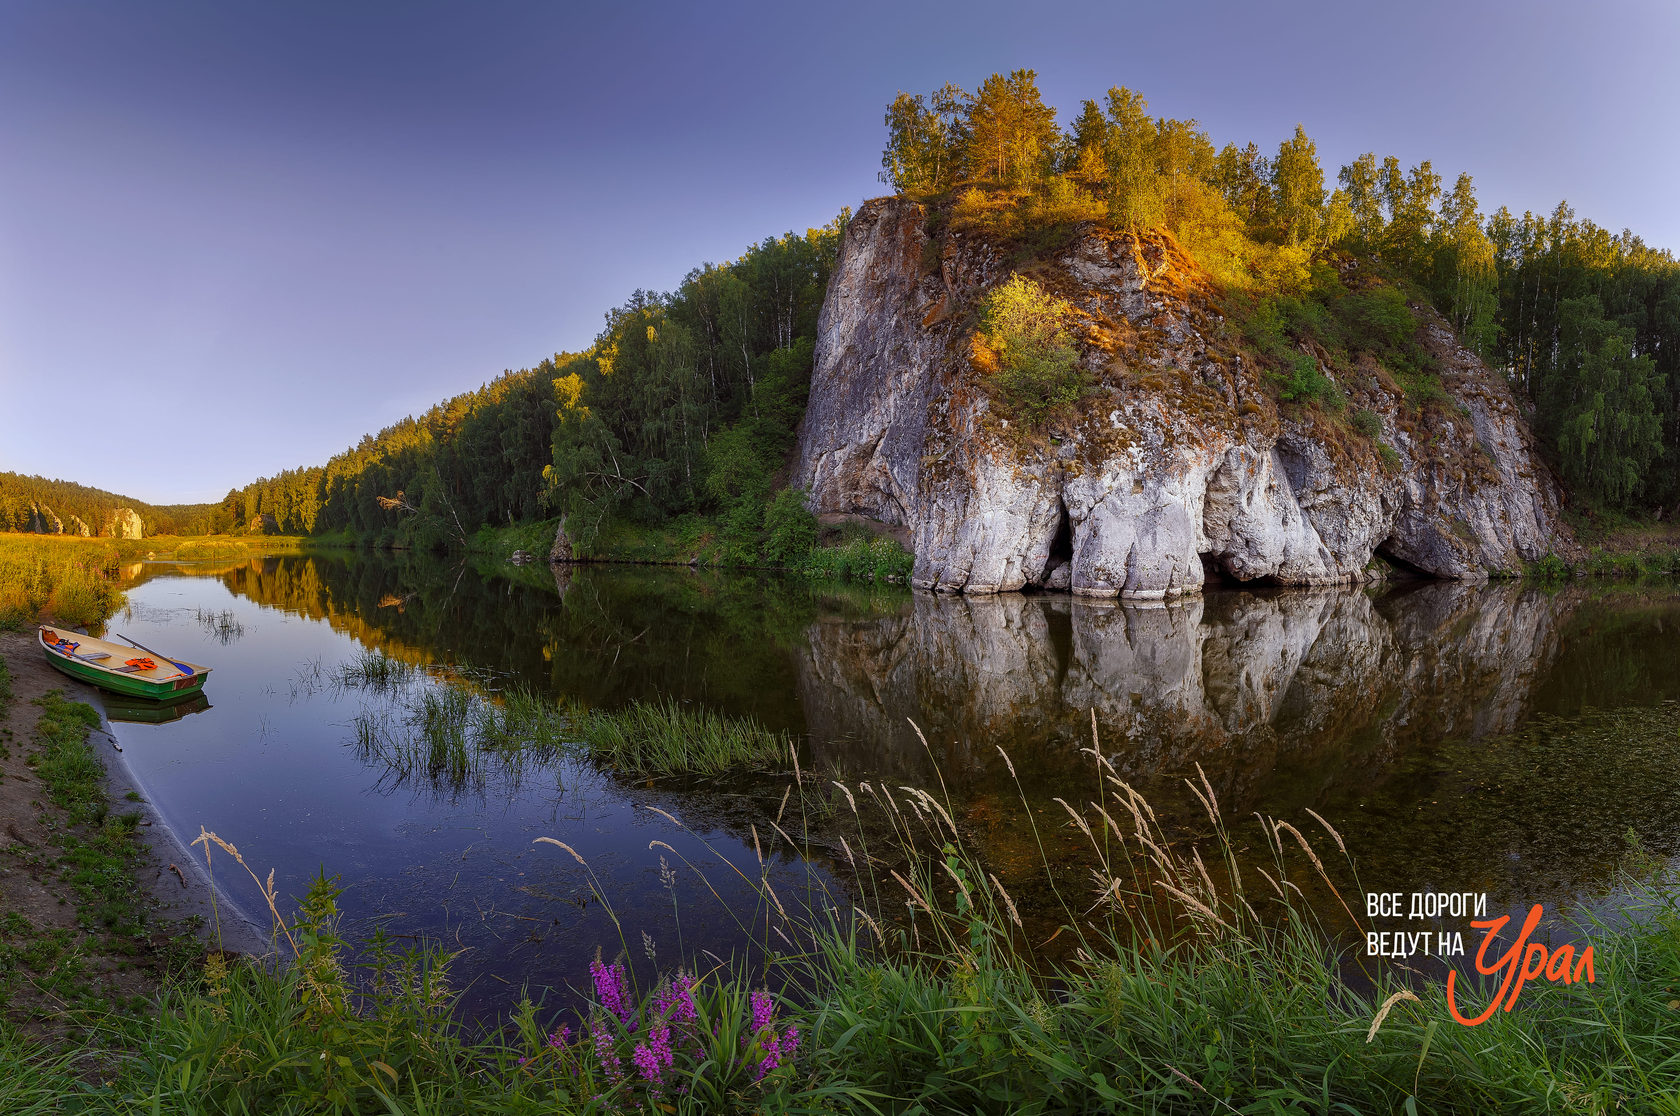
x: 76, y: 582
x: 860, y: 559
x: 668, y: 738
x: 223, y: 625
x: 68, y: 580
x: 448, y: 731
x: 1660, y: 563
x: 100, y: 849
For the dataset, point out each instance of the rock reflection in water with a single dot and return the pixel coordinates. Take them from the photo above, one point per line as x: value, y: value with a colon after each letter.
x: 1331, y: 682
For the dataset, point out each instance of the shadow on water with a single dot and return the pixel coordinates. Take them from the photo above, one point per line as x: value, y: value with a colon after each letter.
x: 1486, y: 738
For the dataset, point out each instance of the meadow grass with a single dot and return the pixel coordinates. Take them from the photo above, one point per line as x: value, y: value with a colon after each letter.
x: 74, y: 581
x: 69, y: 580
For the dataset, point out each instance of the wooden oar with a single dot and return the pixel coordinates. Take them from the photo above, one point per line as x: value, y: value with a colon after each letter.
x: 182, y: 667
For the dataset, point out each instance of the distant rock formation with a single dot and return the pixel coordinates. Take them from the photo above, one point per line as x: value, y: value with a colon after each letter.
x: 125, y: 523
x: 77, y: 527
x: 42, y: 521
x: 264, y: 524
x: 1177, y: 465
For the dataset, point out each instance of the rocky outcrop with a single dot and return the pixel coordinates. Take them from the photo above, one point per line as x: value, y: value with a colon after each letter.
x: 1176, y: 464
x: 561, y: 551
x: 77, y: 527
x: 125, y: 523
x: 42, y: 521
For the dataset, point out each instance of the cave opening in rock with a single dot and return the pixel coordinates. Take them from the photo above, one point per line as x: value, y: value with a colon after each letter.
x: 1061, y: 543
x: 1398, y: 568
x: 1217, y: 575
x: 1214, y: 572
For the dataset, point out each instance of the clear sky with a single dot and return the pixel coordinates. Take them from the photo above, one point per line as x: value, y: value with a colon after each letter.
x: 234, y: 237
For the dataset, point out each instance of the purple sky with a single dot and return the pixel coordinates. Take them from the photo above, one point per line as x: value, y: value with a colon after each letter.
x: 235, y: 237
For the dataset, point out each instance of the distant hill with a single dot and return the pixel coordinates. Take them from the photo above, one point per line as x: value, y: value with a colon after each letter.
x: 46, y: 506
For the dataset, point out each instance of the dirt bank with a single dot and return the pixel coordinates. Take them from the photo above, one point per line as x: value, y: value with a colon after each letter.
x: 49, y: 956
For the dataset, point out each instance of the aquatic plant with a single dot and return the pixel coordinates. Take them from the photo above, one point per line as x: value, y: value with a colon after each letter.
x: 667, y: 738
x: 449, y: 731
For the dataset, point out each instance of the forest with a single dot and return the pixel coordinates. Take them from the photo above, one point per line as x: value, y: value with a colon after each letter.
x: 29, y: 503
x: 687, y: 402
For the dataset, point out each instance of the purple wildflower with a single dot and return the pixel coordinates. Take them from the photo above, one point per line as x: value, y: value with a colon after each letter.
x: 611, y: 1064
x: 790, y: 1043
x: 654, y: 1058
x: 612, y: 989
x: 683, y: 988
x: 561, y: 1037
x: 676, y: 1000
x: 763, y: 1010
x: 772, y: 1057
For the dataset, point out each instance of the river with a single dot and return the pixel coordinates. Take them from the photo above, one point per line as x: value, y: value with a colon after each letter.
x: 1457, y: 737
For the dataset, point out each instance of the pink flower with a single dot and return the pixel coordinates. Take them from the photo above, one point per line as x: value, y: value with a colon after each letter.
x: 612, y: 989
x: 654, y: 1058
x: 611, y: 1064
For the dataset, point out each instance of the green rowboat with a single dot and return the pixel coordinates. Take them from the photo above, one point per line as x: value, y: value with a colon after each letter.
x: 122, y: 670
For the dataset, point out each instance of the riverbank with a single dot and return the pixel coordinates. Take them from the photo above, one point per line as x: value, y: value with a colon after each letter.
x: 77, y: 581
x: 101, y: 902
x: 839, y: 550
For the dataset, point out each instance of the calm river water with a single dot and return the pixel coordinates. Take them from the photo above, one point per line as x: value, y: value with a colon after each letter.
x: 1390, y: 713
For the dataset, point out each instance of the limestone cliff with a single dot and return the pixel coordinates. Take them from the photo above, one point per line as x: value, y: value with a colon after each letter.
x: 1176, y: 463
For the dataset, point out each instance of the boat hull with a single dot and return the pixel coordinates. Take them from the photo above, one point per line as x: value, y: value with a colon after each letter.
x: 132, y: 687
x: 173, y: 686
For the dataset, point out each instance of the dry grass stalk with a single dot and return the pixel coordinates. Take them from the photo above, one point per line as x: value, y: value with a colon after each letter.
x: 916, y: 897
x: 1009, y: 904
x: 850, y: 801
x: 1388, y: 1006
x: 1330, y: 829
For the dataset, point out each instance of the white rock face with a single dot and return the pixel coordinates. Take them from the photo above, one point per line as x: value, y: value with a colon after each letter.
x: 1176, y: 462
x: 125, y: 524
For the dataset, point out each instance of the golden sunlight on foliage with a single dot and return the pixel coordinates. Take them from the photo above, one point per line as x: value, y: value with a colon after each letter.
x: 1026, y: 352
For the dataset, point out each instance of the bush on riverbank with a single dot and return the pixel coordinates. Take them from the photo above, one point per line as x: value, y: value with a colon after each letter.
x: 779, y: 535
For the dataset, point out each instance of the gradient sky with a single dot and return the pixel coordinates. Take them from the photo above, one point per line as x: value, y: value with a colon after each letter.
x: 234, y: 237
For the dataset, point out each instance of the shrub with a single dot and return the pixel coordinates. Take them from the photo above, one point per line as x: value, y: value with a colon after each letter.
x: 1306, y: 383
x: 790, y: 530
x: 1367, y: 422
x: 1030, y: 358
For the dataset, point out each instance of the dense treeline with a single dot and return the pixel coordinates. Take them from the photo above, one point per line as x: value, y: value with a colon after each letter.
x: 29, y: 503
x: 686, y: 402
x: 1585, y: 323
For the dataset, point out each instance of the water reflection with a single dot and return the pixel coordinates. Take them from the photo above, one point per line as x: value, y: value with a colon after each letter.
x: 1390, y: 713
x: 1240, y: 683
